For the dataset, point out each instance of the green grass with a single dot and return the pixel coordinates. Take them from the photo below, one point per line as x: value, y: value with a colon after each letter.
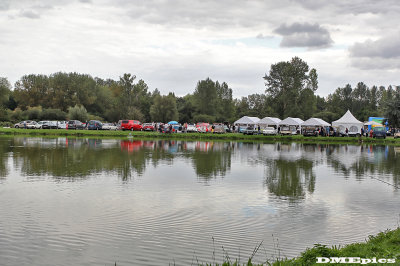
x: 196, y: 136
x: 385, y: 245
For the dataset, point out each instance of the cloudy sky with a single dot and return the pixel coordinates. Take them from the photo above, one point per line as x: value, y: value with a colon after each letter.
x: 172, y: 44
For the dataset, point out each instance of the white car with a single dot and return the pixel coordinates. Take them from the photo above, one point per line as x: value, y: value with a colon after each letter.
x: 191, y: 128
x: 62, y: 124
x: 27, y: 124
x: 33, y: 125
x: 270, y: 131
x: 109, y: 126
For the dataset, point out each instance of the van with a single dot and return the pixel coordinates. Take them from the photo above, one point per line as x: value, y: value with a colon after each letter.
x: 131, y: 125
x: 94, y: 125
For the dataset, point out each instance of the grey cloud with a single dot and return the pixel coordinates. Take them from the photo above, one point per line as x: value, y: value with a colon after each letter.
x: 353, y: 7
x: 29, y: 14
x: 304, y: 35
x: 386, y: 47
x: 85, y: 1
x: 4, y: 5
x: 383, y: 53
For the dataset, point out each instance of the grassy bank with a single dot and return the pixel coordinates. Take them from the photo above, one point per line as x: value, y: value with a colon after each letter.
x: 194, y: 136
x: 385, y: 245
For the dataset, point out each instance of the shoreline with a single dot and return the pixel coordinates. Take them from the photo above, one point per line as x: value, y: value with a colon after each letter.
x: 195, y: 136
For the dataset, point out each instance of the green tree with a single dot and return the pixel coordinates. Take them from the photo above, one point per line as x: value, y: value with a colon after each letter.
x: 286, y: 81
x: 186, y: 108
x: 392, y: 111
x: 5, y: 91
x: 205, y: 96
x: 164, y: 108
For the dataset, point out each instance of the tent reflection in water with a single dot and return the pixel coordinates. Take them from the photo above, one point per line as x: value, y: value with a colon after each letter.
x: 350, y: 122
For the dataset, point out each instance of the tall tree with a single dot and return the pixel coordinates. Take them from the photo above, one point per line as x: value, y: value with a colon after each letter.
x: 164, y: 108
x: 286, y: 81
x: 205, y: 96
x: 5, y: 91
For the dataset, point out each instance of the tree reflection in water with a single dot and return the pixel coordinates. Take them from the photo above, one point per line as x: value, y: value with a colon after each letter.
x: 288, y: 167
x: 290, y: 178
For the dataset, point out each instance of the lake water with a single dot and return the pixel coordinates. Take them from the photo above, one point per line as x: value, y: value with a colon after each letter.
x: 70, y: 201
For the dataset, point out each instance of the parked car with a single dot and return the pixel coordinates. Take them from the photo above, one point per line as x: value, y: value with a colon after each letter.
x: 191, y: 128
x: 310, y: 131
x: 148, y: 127
x: 396, y: 134
x: 379, y: 132
x: 94, y: 125
x: 219, y: 128
x: 109, y: 126
x: 250, y: 130
x: 23, y: 124
x: 62, y: 124
x: 177, y: 128
x: 227, y: 129
x: 269, y: 131
x: 47, y: 125
x: 75, y: 124
x: 202, y: 127
x: 288, y: 130
x: 33, y: 125
x: 131, y: 125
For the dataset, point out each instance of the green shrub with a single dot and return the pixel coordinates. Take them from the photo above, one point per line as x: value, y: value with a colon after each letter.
x: 78, y: 112
x: 53, y: 114
x: 33, y: 113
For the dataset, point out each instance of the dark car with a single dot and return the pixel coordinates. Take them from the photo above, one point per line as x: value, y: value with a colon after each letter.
x: 75, y: 124
x: 94, y: 125
x: 310, y: 131
x: 379, y: 132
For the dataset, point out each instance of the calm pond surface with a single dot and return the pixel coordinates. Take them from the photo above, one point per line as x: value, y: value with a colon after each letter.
x: 70, y: 201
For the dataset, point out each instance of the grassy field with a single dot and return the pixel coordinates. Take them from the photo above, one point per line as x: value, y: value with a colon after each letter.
x: 385, y: 245
x: 195, y: 136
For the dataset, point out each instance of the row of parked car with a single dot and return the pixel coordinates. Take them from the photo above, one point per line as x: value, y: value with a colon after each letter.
x: 71, y: 124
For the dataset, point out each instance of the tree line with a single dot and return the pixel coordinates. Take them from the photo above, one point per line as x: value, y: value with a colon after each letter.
x: 290, y: 90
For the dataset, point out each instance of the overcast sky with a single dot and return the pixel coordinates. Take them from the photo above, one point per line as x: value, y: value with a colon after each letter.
x: 172, y: 44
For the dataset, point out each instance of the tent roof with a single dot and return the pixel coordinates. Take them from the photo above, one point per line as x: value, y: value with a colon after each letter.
x: 269, y: 121
x: 315, y: 122
x: 290, y: 121
x: 247, y: 120
x: 347, y: 118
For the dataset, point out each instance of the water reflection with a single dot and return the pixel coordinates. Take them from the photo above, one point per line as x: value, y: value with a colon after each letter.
x: 289, y: 169
x: 290, y: 178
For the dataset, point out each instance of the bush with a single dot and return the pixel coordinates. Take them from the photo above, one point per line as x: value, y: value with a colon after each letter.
x: 78, y: 112
x: 94, y: 117
x: 17, y: 115
x: 53, y: 114
x: 4, y: 115
x: 33, y: 113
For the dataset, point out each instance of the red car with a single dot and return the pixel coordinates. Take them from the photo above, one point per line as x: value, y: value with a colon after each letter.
x: 148, y: 127
x: 131, y: 125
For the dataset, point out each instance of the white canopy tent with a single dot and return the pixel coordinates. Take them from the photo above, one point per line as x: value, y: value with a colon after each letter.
x: 290, y: 121
x: 246, y: 121
x: 350, y: 122
x: 316, y: 122
x: 269, y: 121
